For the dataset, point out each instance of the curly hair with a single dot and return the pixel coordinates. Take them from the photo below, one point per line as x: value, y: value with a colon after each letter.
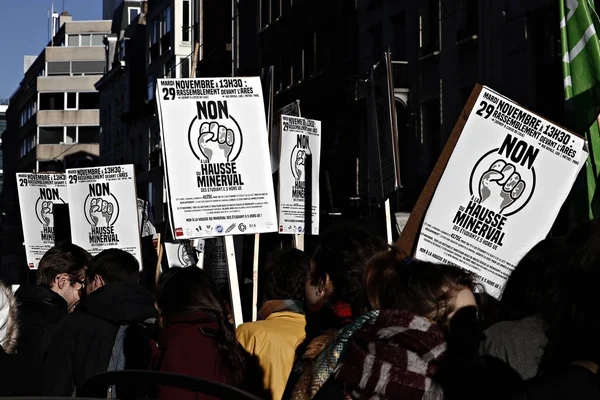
x: 423, y: 288
x: 343, y: 255
x: 285, y: 275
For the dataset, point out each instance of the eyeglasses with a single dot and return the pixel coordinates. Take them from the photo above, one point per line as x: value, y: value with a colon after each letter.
x: 75, y: 280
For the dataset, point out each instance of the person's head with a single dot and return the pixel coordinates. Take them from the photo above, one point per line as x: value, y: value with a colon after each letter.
x: 182, y: 291
x: 62, y: 269
x: 337, y: 268
x: 532, y: 284
x: 111, y: 266
x: 433, y: 291
x: 574, y: 323
x: 285, y: 274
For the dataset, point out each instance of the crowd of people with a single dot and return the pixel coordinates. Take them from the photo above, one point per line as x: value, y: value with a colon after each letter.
x: 358, y: 319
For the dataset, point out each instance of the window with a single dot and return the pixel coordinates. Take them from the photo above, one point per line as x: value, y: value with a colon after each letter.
x: 167, y: 20
x: 59, y: 67
x: 265, y: 13
x: 71, y: 101
x: 97, y: 40
x: 89, y: 134
x: 52, y: 101
x: 71, y: 135
x: 88, y: 67
x: 185, y: 68
x: 122, y: 47
x: 429, y: 26
x: 89, y: 100
x: 86, y: 40
x: 150, y: 95
x: 73, y: 40
x: 155, y: 31
x: 27, y: 112
x: 133, y: 13
x: 186, y: 21
x: 51, y: 134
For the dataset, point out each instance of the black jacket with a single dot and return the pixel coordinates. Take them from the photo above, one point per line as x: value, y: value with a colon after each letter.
x: 20, y: 378
x: 572, y: 382
x: 39, y: 311
x: 82, y: 345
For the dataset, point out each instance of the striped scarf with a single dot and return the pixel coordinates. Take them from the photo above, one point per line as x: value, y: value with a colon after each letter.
x: 274, y: 306
x: 394, y: 356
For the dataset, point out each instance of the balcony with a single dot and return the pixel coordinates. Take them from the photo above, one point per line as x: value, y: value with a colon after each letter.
x: 49, y: 152
x: 74, y: 117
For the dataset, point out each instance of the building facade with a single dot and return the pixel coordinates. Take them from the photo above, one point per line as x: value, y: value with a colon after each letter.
x: 53, y: 120
x: 322, y: 53
x: 159, y: 43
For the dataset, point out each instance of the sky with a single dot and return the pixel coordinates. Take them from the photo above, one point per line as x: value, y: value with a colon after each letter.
x: 24, y: 31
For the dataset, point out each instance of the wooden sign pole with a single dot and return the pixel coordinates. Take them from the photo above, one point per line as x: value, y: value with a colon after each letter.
x: 234, y: 286
x: 388, y: 222
x: 160, y: 250
x: 410, y: 233
x: 255, y: 277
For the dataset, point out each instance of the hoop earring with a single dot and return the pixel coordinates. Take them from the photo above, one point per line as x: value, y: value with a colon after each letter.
x: 320, y: 290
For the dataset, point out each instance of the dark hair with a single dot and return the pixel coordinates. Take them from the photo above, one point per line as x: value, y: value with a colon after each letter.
x: 62, y: 259
x: 529, y: 288
x: 343, y: 255
x: 187, y: 290
x: 423, y: 288
x: 114, y: 265
x: 285, y: 275
x: 574, y: 323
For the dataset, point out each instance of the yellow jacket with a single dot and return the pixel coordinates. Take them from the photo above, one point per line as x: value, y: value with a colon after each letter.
x: 273, y: 341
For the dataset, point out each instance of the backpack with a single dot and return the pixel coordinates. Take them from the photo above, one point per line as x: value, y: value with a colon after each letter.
x: 138, y: 334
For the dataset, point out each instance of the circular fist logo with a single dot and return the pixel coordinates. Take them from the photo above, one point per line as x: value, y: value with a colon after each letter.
x: 44, y: 211
x: 218, y: 141
x: 101, y: 211
x: 502, y: 186
x: 184, y: 256
x: 298, y: 162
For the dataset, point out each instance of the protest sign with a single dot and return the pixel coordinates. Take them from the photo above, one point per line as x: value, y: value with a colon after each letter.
x: 145, y: 218
x: 300, y: 137
x: 383, y: 148
x: 178, y: 254
x: 37, y: 195
x: 292, y: 109
x: 216, y: 156
x: 501, y: 190
x: 103, y: 209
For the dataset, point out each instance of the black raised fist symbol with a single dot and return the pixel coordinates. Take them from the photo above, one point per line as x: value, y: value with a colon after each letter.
x: 47, y: 213
x: 500, y: 186
x: 216, y: 142
x: 300, y: 163
x: 101, y: 212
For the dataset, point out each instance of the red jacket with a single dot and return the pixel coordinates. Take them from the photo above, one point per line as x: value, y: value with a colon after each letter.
x: 183, y: 348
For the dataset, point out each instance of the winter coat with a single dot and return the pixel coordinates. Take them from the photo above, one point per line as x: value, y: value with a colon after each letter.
x: 20, y: 378
x: 82, y: 345
x: 274, y: 341
x: 39, y: 311
x: 186, y: 346
x: 520, y: 344
x: 572, y: 382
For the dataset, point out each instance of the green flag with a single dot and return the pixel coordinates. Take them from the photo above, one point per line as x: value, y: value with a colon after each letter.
x: 581, y: 70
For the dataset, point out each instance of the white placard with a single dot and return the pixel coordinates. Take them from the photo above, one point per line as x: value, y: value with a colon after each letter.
x: 292, y: 109
x: 177, y: 255
x: 146, y: 227
x: 501, y: 191
x: 299, y: 137
x: 37, y: 195
x: 216, y: 156
x: 103, y: 209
